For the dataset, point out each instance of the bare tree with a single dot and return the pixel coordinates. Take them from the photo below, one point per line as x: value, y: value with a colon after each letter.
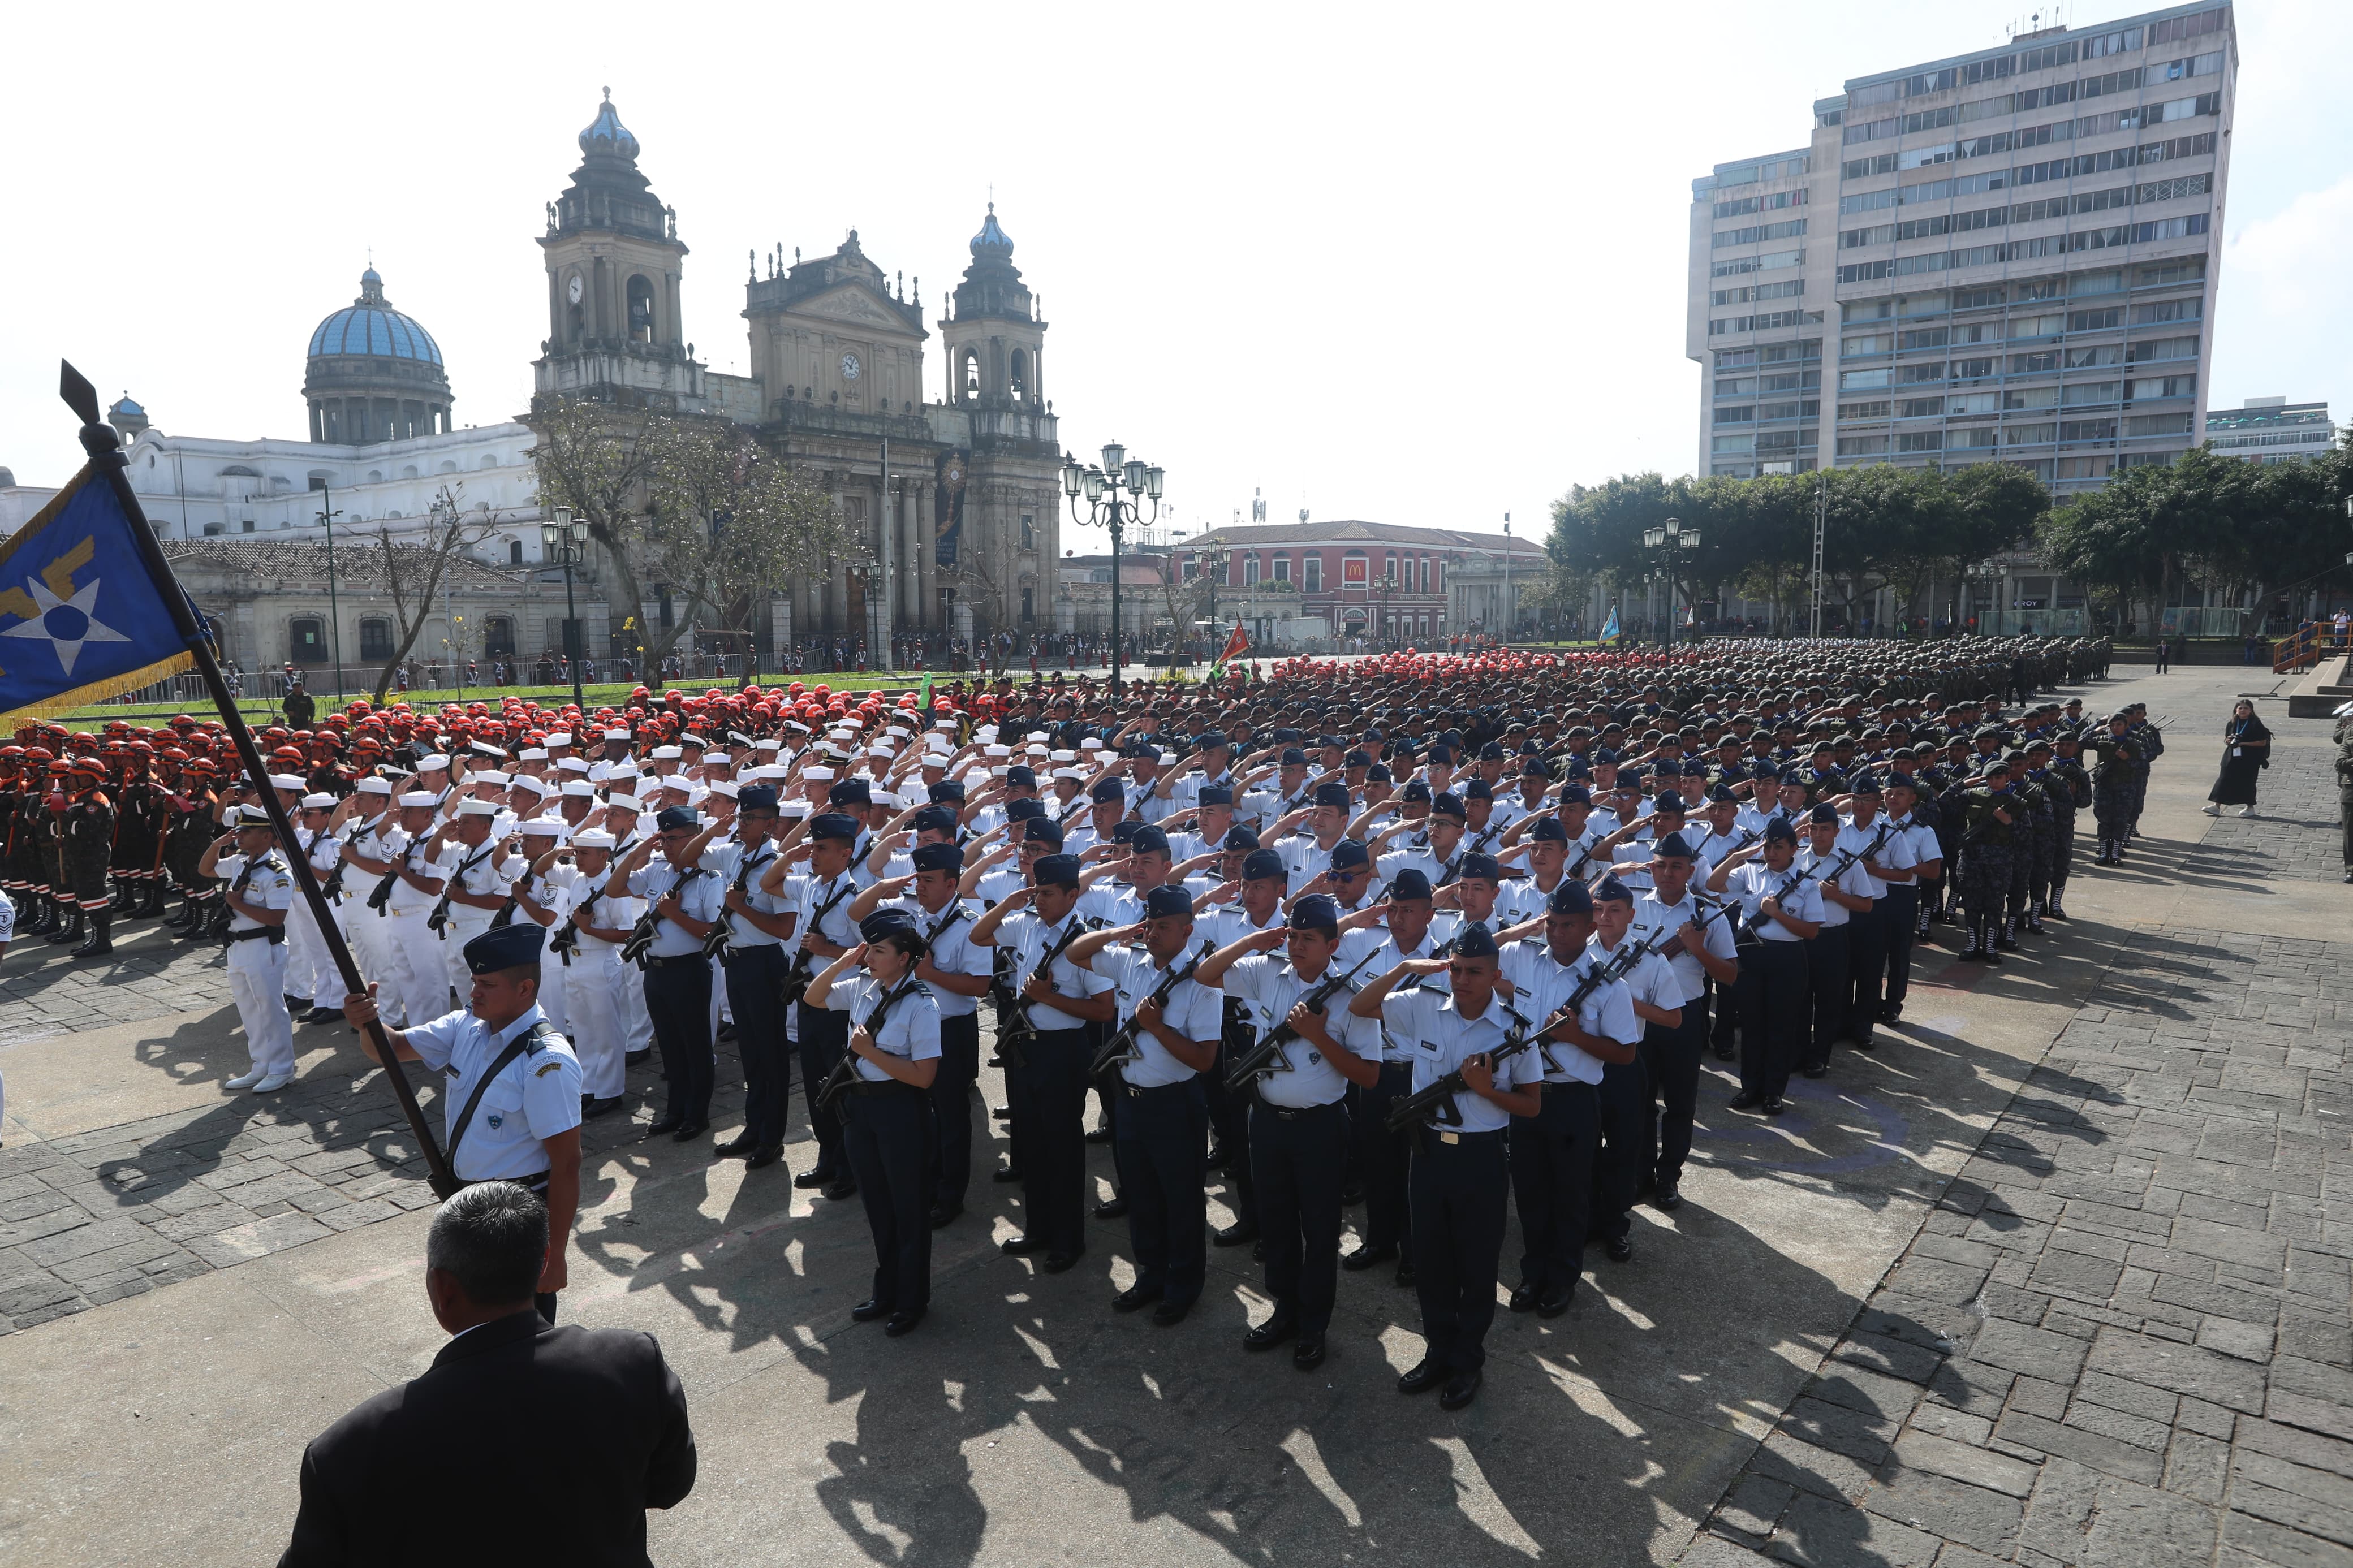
x: 413, y: 569
x: 593, y: 458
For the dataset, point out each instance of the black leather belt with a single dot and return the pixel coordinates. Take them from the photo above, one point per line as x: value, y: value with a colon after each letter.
x: 536, y: 1182
x: 275, y: 934
x: 659, y: 960
x: 1294, y: 1112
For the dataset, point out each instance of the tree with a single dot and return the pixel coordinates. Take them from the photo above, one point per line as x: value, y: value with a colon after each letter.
x: 593, y: 458
x: 729, y: 526
x: 413, y: 571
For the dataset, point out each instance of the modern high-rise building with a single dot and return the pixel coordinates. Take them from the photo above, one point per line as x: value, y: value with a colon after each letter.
x: 2270, y: 430
x: 2008, y: 255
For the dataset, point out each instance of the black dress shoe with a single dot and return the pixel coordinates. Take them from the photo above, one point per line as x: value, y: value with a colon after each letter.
x: 866, y: 1312
x: 1098, y: 1134
x: 808, y: 1179
x: 1270, y: 1333
x: 1115, y: 1209
x: 590, y: 1106
x: 1460, y: 1390
x: 841, y: 1188
x: 1000, y: 1112
x: 1307, y: 1354
x: 1169, y: 1314
x: 1134, y: 1298
x: 1775, y: 1106
x: 322, y: 1016
x: 1725, y: 1055
x: 1669, y: 1197
x: 1814, y: 1069
x: 1866, y: 1044
x: 1005, y: 1174
x: 902, y: 1324
x: 1424, y: 1376
x: 944, y: 1213
x: 636, y: 1059
x: 690, y: 1131
x: 742, y: 1143
x: 1234, y: 1234
x: 763, y: 1157
x: 1554, y: 1302
x: 1747, y: 1099
x: 662, y: 1124
x: 1350, y: 1197
x: 1060, y: 1262
x: 1619, y: 1249
x: 1524, y: 1296
x: 1405, y: 1271
x: 1021, y: 1246
x: 1366, y: 1257
x: 1218, y: 1156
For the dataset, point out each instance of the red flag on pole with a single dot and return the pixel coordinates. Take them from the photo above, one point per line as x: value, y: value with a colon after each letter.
x: 1236, y: 645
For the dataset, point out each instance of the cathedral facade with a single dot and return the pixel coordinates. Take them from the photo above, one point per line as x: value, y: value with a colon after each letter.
x: 956, y: 502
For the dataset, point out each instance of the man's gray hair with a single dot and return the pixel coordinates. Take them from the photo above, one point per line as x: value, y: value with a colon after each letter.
x: 493, y: 1238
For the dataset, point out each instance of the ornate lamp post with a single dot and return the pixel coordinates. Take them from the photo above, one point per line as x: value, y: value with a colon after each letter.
x: 1115, y: 494
x: 328, y: 513
x: 565, y: 539
x: 1389, y: 587
x: 1668, y: 545
x: 1213, y: 559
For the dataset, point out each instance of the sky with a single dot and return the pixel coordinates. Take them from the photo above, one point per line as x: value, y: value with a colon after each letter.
x: 1417, y: 266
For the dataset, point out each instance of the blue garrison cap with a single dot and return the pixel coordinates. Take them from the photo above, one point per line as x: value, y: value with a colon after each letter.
x: 1056, y: 871
x: 1481, y: 866
x: 1779, y: 828
x: 1260, y: 863
x: 1575, y: 795
x: 1168, y: 900
x: 1409, y: 885
x: 1447, y: 804
x: 947, y: 792
x: 1571, y: 897
x: 1149, y: 840
x: 679, y: 816
x: 1240, y: 837
x: 938, y: 858
x: 1217, y: 795
x: 933, y: 819
x: 1673, y: 846
x: 1021, y: 778
x: 1040, y: 831
x: 849, y: 791
x: 1024, y: 810
x: 1415, y: 789
x: 1316, y: 912
x: 1610, y: 890
x: 1349, y: 856
x: 1332, y: 793
x: 1475, y: 942
x: 756, y: 797
x: 1105, y: 792
x: 884, y: 923
x: 832, y: 825
x: 508, y: 947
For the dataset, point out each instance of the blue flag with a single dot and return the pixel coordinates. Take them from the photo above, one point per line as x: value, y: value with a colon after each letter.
x: 1609, y: 628
x: 80, y: 619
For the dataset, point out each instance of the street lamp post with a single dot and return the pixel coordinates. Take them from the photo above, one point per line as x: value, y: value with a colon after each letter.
x: 1668, y: 545
x: 1510, y: 615
x: 1114, y: 493
x: 328, y: 513
x: 1213, y: 559
x: 1389, y: 587
x: 566, y: 539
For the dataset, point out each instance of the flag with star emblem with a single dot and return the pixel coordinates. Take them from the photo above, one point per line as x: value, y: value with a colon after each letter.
x: 81, y: 619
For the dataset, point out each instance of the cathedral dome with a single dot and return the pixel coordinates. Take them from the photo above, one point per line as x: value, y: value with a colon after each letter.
x: 607, y: 134
x: 369, y: 326
x: 992, y: 240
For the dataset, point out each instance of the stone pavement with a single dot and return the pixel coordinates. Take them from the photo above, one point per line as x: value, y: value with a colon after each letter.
x: 2122, y: 1334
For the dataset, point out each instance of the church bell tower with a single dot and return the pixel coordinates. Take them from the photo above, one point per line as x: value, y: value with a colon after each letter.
x: 993, y: 336
x: 613, y: 261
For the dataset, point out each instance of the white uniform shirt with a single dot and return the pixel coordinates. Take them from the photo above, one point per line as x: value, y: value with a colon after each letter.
x: 1438, y: 1038
x: 732, y: 868
x: 1852, y: 881
x: 1270, y: 988
x: 415, y: 854
x: 1895, y: 851
x: 1660, y: 921
x: 909, y: 1027
x: 488, y: 872
x: 537, y: 1097
x: 1032, y: 939
x: 1753, y: 882
x: 825, y: 909
x: 1393, y: 1047
x: 1541, y: 986
x: 1192, y: 1010
x: 953, y: 949
x: 271, y: 886
x: 698, y: 898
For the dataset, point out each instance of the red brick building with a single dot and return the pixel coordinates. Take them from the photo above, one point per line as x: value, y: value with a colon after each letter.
x: 1379, y: 579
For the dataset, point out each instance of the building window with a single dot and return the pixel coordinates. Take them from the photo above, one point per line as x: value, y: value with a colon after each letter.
x: 376, y: 640
x: 1028, y: 530
x: 1283, y: 568
x: 1315, y: 584
x: 499, y: 637
x: 1028, y: 613
x: 642, y: 310
x: 514, y: 551
x: 306, y: 638
x: 1020, y: 384
x: 1249, y: 570
x: 971, y: 376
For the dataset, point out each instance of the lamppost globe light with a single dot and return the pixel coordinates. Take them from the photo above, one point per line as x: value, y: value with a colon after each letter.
x: 1073, y: 475
x: 1113, y: 455
x: 1691, y: 539
x: 1092, y: 481
x: 580, y: 531
x: 1674, y: 525
x: 1154, y: 477
x: 549, y: 533
x: 564, y: 517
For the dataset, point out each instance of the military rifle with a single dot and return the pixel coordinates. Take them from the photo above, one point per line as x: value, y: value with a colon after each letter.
x: 1267, y: 1056
x: 1123, y: 1047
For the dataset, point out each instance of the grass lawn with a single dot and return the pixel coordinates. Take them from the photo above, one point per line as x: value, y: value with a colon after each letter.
x: 608, y: 694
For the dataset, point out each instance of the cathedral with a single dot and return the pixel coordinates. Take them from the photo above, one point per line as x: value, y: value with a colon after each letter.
x: 956, y: 501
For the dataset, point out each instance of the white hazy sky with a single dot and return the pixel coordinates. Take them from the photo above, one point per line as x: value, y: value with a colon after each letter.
x: 1420, y: 266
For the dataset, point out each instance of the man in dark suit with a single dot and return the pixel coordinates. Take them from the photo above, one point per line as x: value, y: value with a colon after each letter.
x: 524, y: 1443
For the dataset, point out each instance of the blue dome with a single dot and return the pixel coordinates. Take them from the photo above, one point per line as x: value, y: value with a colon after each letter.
x: 368, y: 326
x: 992, y: 240
x: 606, y: 133
x: 124, y: 405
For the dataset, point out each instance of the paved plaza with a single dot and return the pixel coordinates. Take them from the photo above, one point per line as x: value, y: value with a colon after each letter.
x: 2060, y: 1275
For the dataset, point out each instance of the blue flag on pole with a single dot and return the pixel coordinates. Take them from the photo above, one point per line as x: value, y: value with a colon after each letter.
x: 81, y: 619
x: 1609, y: 632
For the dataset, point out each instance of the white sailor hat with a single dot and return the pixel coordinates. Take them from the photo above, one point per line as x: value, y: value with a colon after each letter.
x: 427, y: 764
x: 678, y: 782
x: 727, y: 787
x: 544, y: 827
x: 376, y: 786
x: 294, y: 781
x: 491, y: 776
x: 616, y: 733
x: 578, y: 787
x: 767, y: 744
x: 1092, y: 743
x: 997, y: 751
x: 532, y: 753
x: 478, y: 808
x: 573, y: 765
x: 420, y: 798
x: 561, y: 738
x: 321, y: 801
x: 768, y: 772
x: 594, y: 839
x: 794, y: 809
x: 667, y: 754
x: 819, y: 774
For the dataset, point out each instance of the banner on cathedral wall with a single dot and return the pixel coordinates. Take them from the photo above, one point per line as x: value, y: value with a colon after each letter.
x: 948, y: 509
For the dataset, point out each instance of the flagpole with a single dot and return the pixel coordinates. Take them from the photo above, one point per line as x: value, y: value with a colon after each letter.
x: 105, y: 449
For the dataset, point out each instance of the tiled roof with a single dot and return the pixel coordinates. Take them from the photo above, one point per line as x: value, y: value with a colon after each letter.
x: 1353, y: 531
